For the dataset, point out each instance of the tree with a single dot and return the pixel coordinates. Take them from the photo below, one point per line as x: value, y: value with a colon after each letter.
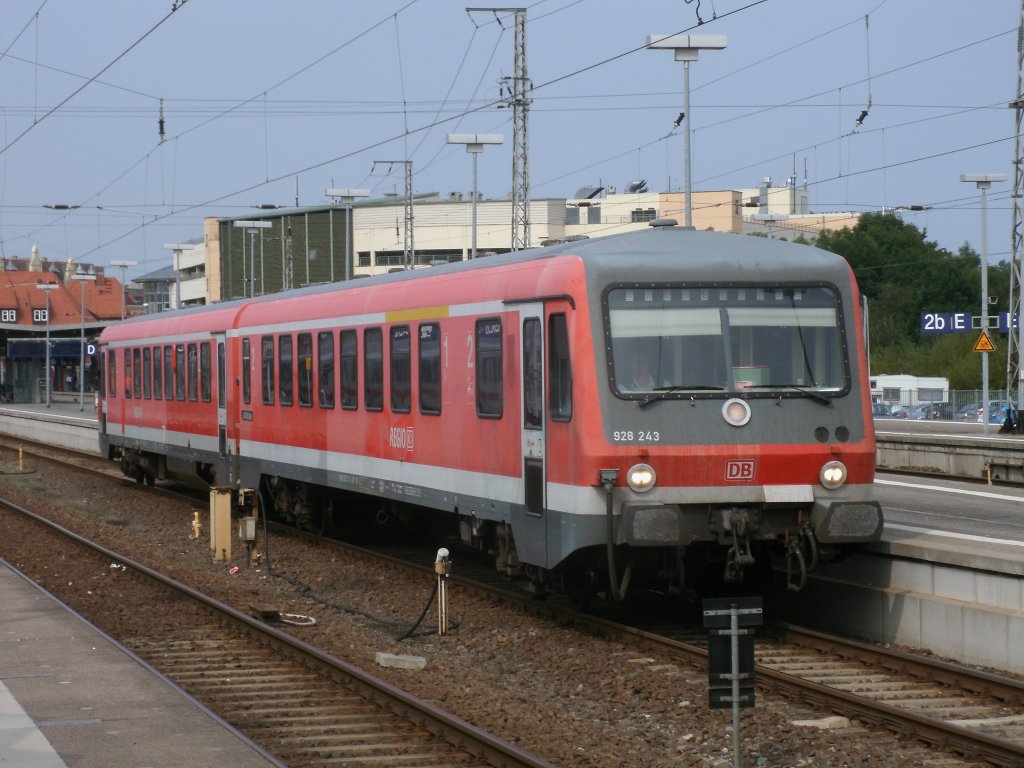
x: 904, y: 275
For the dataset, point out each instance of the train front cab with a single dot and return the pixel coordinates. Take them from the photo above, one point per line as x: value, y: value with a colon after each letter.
x: 751, y: 437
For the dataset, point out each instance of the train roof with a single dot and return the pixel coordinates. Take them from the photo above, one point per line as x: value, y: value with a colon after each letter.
x: 639, y: 253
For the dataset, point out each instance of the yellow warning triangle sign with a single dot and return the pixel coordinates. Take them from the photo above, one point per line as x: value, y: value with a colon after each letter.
x: 984, y: 344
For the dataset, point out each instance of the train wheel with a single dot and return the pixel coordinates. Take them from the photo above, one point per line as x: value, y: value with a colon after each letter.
x: 580, y: 587
x: 326, y: 517
x: 150, y: 479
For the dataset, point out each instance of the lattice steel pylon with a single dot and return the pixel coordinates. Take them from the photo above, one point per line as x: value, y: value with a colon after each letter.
x: 409, y: 249
x: 519, y: 100
x: 520, y: 155
x: 1015, y: 336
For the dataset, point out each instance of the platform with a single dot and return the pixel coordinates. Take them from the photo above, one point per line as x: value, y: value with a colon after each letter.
x: 70, y: 697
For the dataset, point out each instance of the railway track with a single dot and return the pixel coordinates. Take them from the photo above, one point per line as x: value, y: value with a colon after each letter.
x: 302, y: 706
x: 976, y: 715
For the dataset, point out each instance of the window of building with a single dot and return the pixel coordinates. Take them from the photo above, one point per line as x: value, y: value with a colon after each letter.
x: 349, y: 370
x: 284, y: 368
x: 205, y: 372
x: 305, y: 358
x: 640, y: 214
x: 559, y: 370
x: 430, y: 368
x: 489, y: 395
x: 373, y: 367
x: 325, y: 368
x: 267, y: 366
x: 158, y: 373
x: 401, y: 376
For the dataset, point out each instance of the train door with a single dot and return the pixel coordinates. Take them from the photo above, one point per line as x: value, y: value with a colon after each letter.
x: 222, y: 380
x: 531, y: 334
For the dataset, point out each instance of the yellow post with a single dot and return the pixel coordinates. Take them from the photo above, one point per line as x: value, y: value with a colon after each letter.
x: 220, y: 523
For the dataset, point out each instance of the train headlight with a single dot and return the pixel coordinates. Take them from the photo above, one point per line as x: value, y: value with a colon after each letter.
x: 641, y: 477
x: 736, y: 411
x: 832, y: 475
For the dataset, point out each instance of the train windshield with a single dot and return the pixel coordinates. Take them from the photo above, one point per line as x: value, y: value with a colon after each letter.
x: 714, y: 340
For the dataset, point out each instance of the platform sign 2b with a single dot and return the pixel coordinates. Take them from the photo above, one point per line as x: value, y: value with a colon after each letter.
x: 946, y: 322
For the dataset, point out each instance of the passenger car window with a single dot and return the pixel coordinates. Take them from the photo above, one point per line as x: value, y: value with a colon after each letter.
x: 430, y: 368
x: 373, y: 366
x: 489, y: 395
x: 401, y: 377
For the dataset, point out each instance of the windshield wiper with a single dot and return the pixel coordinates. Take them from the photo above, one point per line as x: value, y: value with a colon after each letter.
x: 661, y: 392
x: 798, y: 387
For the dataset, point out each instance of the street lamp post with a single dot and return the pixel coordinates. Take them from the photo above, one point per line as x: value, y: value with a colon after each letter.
x: 46, y: 288
x: 984, y: 182
x: 347, y: 196
x: 686, y: 48
x: 124, y: 266
x: 475, y: 145
x: 82, y: 278
x: 253, y: 228
x: 177, y: 269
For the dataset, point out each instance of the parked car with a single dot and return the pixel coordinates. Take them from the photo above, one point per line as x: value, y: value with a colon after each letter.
x: 917, y: 412
x: 940, y: 410
x: 972, y: 412
x: 881, y: 411
x: 969, y: 412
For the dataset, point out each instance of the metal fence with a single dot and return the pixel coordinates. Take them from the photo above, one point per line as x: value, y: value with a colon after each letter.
x: 961, y: 405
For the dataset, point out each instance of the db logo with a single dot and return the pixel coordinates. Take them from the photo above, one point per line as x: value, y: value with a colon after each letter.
x: 740, y: 470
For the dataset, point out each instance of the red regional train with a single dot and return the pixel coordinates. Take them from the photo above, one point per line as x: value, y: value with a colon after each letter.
x: 657, y: 407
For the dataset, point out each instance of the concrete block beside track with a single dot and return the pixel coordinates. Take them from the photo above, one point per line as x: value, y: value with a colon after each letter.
x: 63, y: 425
x: 968, y: 612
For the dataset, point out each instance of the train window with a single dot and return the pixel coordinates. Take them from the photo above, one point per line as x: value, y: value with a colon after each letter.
x: 127, y: 373
x: 169, y: 373
x: 762, y: 340
x: 430, y: 368
x: 533, y: 374
x: 112, y: 372
x: 101, y: 379
x: 305, y: 357
x: 147, y: 373
x: 325, y: 368
x: 221, y: 374
x: 267, y: 367
x: 193, y: 373
x: 559, y: 370
x: 373, y: 367
x: 179, y: 372
x: 246, y: 370
x: 205, y: 372
x: 284, y: 368
x: 401, y: 376
x: 489, y: 367
x: 349, y: 370
x: 136, y: 373
x: 158, y: 374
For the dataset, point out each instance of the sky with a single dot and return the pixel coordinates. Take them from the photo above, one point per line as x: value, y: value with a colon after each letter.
x: 270, y: 103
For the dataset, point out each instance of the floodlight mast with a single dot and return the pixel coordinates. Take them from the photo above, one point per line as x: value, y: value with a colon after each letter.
x: 177, y: 248
x: 984, y: 181
x: 347, y: 196
x: 124, y: 267
x: 475, y: 145
x: 253, y: 228
x: 687, y: 48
